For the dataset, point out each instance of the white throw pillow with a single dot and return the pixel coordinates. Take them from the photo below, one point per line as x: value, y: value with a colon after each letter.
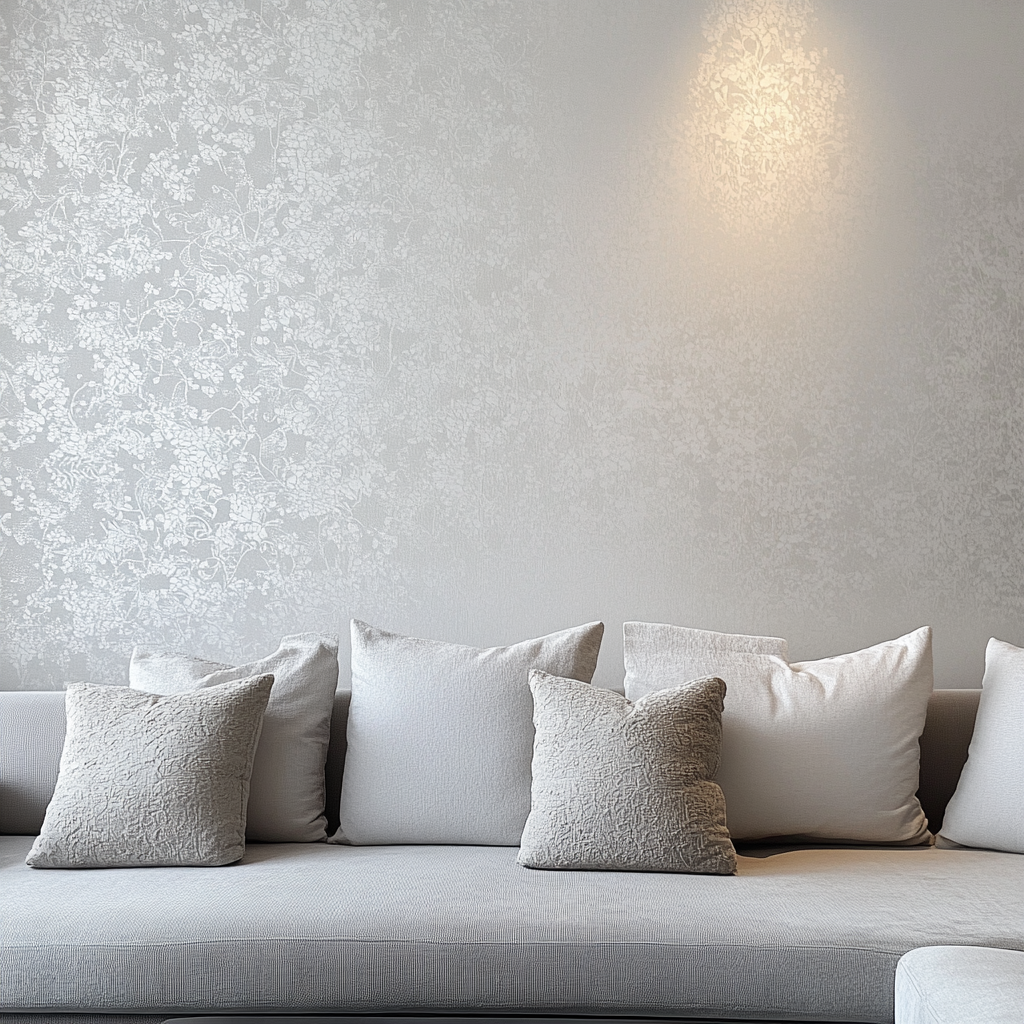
x: 987, y: 809
x: 819, y: 751
x: 657, y: 654
x: 287, y: 792
x: 150, y: 781
x: 440, y: 736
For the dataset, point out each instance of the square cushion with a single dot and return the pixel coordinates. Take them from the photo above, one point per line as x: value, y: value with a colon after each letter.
x: 619, y: 786
x: 440, y: 736
x: 147, y: 780
x: 286, y: 801
x: 987, y: 809
x: 818, y: 751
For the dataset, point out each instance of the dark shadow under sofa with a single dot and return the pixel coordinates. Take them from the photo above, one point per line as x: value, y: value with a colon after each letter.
x: 800, y: 933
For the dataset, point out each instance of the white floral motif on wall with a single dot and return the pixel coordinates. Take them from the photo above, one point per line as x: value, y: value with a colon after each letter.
x: 230, y: 235
x: 414, y: 310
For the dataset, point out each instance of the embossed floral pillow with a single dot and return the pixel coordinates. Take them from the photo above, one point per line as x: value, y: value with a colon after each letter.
x: 148, y: 780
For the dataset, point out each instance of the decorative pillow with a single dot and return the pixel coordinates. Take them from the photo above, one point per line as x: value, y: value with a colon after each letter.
x: 819, y: 751
x: 440, y: 736
x: 619, y: 786
x: 987, y: 809
x: 287, y: 790
x: 147, y: 781
x: 656, y: 652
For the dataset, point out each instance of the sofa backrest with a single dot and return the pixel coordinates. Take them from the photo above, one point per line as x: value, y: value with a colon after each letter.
x: 944, y: 743
x: 32, y: 736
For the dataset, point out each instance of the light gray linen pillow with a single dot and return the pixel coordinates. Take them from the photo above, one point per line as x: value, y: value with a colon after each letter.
x: 440, y: 736
x: 619, y: 786
x: 287, y: 796
x: 987, y: 809
x: 656, y: 653
x: 817, y: 751
x: 149, y: 781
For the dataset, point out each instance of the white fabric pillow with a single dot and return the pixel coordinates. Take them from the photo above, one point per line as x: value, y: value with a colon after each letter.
x: 657, y: 654
x: 820, y: 751
x: 287, y: 791
x: 150, y: 781
x: 987, y: 809
x: 440, y: 736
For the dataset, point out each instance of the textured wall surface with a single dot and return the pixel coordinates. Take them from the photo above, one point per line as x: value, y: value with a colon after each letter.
x: 477, y: 320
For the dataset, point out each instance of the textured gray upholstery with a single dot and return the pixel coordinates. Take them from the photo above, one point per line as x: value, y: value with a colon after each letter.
x: 335, y: 765
x: 944, y: 744
x: 32, y: 727
x: 956, y: 984
x: 805, y: 934
x: 29, y: 1017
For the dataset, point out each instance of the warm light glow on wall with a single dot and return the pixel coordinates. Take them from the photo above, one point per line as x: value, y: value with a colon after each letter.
x: 765, y: 133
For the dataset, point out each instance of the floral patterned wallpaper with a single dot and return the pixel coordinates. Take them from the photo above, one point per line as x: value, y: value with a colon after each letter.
x: 434, y: 313
x: 767, y: 131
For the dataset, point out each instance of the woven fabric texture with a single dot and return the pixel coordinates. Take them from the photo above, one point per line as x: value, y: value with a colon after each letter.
x: 286, y: 802
x: 804, y: 934
x: 944, y: 745
x: 987, y: 809
x: 627, y: 787
x: 440, y: 736
x: 822, y: 750
x: 31, y: 741
x: 148, y: 780
x: 954, y: 984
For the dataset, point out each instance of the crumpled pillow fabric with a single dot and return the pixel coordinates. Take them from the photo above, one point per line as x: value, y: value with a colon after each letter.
x: 150, y: 781
x: 619, y: 786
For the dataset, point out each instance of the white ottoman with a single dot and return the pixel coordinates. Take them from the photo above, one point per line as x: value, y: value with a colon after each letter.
x: 960, y: 984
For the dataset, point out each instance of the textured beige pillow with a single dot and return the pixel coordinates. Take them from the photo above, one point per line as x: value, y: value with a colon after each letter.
x: 147, y: 780
x: 987, y: 809
x: 619, y: 786
x: 286, y: 802
x: 820, y: 751
x: 440, y: 735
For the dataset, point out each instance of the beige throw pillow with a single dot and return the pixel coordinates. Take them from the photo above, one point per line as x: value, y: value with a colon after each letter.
x: 819, y: 751
x: 440, y: 735
x: 148, y: 781
x: 987, y: 809
x: 619, y: 786
x: 287, y: 799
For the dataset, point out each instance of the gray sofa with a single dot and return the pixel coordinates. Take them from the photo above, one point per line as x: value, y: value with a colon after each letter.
x: 800, y: 933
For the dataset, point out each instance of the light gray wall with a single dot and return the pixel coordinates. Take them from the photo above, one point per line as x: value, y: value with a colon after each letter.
x: 440, y: 315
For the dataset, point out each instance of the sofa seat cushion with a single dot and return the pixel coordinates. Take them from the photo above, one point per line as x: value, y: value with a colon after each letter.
x: 953, y: 984
x: 812, y: 934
